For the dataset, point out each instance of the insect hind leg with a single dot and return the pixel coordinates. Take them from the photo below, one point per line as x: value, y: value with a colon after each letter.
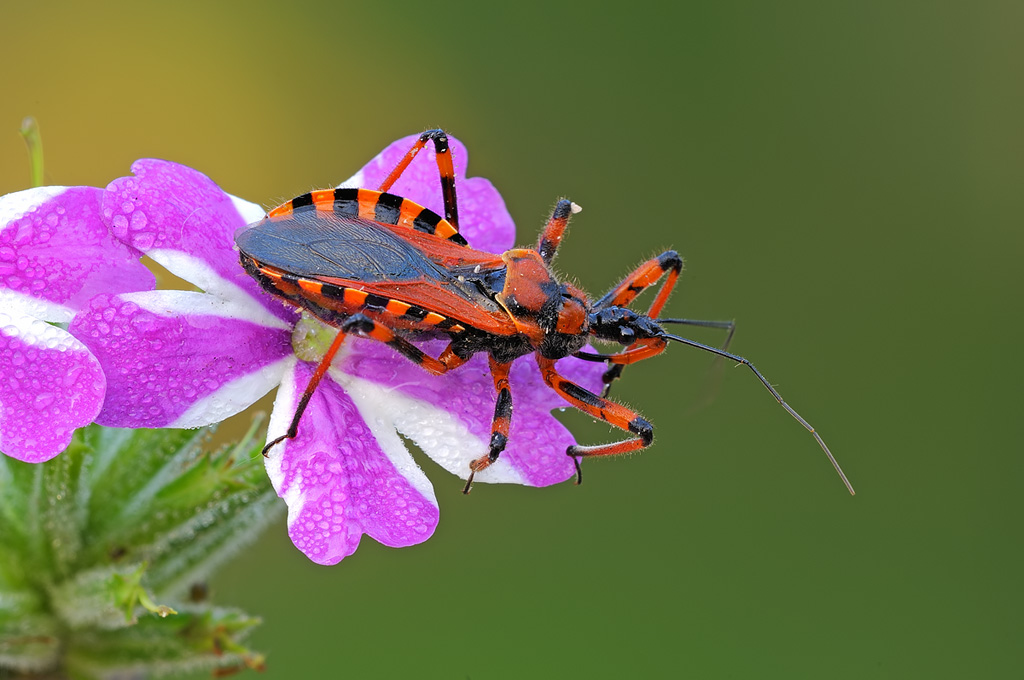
x: 307, y: 394
x: 367, y: 327
x: 445, y: 169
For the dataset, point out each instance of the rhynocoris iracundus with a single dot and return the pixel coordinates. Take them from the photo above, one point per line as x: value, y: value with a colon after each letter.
x: 413, y: 274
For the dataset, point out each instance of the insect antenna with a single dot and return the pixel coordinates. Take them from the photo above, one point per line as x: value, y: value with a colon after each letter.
x: 778, y: 397
x: 724, y: 325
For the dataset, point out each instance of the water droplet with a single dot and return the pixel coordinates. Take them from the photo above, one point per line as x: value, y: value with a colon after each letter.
x: 43, y: 400
x: 119, y: 226
x: 71, y: 377
x: 144, y: 241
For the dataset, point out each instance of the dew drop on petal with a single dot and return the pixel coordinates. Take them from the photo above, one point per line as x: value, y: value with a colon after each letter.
x: 139, y: 221
x: 144, y: 241
x: 119, y: 225
x: 71, y: 377
x: 42, y: 400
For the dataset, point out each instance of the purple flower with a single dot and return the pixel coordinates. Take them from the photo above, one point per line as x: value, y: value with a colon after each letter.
x: 55, y: 254
x: 186, y: 359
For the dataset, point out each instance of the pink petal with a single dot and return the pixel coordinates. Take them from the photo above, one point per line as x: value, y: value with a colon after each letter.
x: 341, y: 479
x: 49, y: 385
x: 184, y: 221
x: 179, y: 359
x: 537, y: 441
x: 56, y: 252
x: 483, y: 218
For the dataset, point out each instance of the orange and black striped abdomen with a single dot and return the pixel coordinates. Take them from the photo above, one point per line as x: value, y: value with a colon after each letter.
x: 377, y: 206
x: 336, y: 265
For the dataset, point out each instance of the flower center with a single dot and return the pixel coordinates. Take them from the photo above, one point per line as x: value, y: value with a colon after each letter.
x: 311, y: 338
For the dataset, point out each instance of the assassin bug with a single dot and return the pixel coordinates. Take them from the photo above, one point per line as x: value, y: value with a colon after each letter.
x: 377, y: 265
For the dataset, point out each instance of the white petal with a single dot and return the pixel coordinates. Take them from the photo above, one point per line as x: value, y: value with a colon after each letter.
x: 439, y: 433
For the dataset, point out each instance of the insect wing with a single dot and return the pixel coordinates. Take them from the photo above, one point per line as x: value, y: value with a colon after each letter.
x: 352, y: 252
x: 316, y: 244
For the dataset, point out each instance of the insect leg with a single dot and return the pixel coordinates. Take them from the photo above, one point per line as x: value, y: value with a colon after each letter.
x: 599, y: 407
x: 444, y: 168
x: 318, y: 374
x: 647, y: 274
x: 500, y: 424
x: 367, y: 327
x: 638, y: 351
x: 551, y: 237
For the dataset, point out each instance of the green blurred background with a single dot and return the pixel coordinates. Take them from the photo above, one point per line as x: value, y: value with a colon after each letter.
x: 844, y: 179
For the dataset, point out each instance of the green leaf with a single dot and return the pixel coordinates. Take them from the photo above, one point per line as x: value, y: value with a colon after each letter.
x: 100, y: 546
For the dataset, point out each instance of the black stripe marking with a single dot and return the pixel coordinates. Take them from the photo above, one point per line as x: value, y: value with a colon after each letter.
x: 346, y: 202
x: 405, y: 349
x: 498, y: 443
x: 439, y: 137
x: 302, y: 201
x: 388, y: 209
x: 448, y: 189
x: 580, y: 394
x: 503, y: 407
x: 670, y: 260
x: 562, y: 210
x: 426, y: 221
x: 290, y: 278
x: 332, y: 291
x: 378, y: 302
x: 415, y: 313
x: 643, y: 429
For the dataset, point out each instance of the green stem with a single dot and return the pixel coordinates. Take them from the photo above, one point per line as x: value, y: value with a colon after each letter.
x: 34, y: 141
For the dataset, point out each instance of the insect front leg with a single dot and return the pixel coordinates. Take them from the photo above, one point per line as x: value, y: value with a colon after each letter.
x: 599, y: 407
x: 646, y: 275
x: 444, y: 168
x: 499, y: 425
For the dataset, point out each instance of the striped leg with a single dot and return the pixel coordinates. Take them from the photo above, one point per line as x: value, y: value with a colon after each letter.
x: 647, y: 274
x: 500, y: 424
x: 367, y: 327
x: 318, y: 374
x: 599, y: 407
x: 444, y: 167
x: 551, y: 237
x: 363, y: 325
